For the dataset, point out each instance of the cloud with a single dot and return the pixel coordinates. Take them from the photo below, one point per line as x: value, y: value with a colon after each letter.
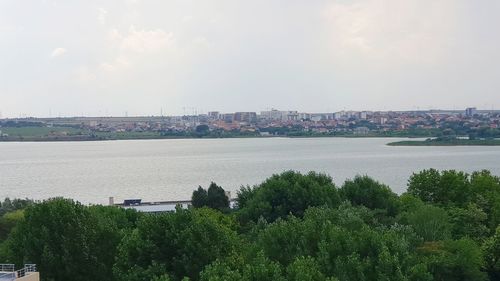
x: 406, y: 31
x: 389, y: 54
x: 142, y: 41
x: 135, y: 47
x: 186, y: 19
x: 117, y: 64
x: 101, y: 16
x: 57, y: 52
x: 83, y: 74
x: 201, y: 41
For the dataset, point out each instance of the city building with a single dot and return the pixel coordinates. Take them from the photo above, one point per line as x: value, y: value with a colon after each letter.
x: 304, y: 116
x: 159, y: 206
x: 227, y: 117
x: 291, y: 116
x: 471, y: 111
x: 272, y: 115
x: 213, y: 115
x: 248, y: 117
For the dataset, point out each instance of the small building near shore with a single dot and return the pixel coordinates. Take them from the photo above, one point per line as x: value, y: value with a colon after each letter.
x: 159, y: 206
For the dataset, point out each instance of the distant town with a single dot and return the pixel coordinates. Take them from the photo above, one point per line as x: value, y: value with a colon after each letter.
x: 470, y: 122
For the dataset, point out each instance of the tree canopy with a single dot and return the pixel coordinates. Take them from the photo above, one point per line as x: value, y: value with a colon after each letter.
x: 215, y: 197
x: 292, y: 226
x: 365, y: 191
x: 287, y: 193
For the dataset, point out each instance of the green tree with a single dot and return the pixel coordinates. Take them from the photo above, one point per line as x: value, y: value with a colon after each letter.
x: 202, y: 130
x: 199, y: 198
x: 457, y: 260
x: 179, y: 244
x: 263, y: 269
x: 9, y: 205
x: 60, y: 236
x: 111, y: 224
x: 469, y: 222
x: 343, y: 245
x: 161, y: 278
x: 366, y: 254
x: 214, y: 198
x: 290, y: 227
x: 491, y: 249
x: 245, y: 194
x: 258, y: 268
x: 287, y: 193
x: 225, y: 269
x: 485, y: 190
x: 457, y: 189
x: 305, y: 269
x: 442, y: 188
x: 8, y: 221
x: 430, y: 222
x: 363, y: 190
x: 69, y: 241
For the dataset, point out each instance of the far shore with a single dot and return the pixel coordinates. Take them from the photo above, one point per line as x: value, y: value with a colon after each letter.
x: 453, y: 142
x: 150, y: 137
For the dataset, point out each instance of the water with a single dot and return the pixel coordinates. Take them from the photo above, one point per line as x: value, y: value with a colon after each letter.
x: 171, y: 169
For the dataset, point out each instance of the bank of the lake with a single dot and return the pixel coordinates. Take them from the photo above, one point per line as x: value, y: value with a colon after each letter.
x: 453, y: 142
x: 60, y: 133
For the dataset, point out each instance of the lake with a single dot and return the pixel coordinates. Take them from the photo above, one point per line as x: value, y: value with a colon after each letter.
x: 171, y: 169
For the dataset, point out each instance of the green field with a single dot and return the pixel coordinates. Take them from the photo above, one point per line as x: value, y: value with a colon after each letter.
x: 38, y: 131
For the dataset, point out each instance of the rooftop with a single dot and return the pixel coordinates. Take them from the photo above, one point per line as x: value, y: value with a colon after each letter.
x: 27, y: 273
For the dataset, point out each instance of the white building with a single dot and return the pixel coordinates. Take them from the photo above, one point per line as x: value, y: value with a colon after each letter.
x: 471, y: 111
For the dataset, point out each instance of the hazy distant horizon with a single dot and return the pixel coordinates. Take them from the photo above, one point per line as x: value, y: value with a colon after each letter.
x: 108, y: 57
x: 222, y: 112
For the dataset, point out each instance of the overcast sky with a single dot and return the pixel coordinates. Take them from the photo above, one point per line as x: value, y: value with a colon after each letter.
x: 108, y: 57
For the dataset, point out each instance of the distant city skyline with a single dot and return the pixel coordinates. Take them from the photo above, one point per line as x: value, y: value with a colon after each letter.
x: 112, y: 57
x: 197, y: 111
x: 193, y: 111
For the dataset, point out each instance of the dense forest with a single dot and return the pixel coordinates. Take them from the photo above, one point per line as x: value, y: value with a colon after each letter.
x: 293, y: 226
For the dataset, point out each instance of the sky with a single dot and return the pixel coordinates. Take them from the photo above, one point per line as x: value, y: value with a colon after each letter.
x: 148, y: 57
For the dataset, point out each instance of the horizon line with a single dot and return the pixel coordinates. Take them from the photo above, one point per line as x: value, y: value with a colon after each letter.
x: 220, y: 112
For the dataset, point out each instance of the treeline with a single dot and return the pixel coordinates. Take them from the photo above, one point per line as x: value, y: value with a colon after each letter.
x: 20, y: 124
x: 290, y: 227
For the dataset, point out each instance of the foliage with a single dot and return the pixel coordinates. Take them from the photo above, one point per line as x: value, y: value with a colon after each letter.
x: 365, y: 191
x: 258, y: 268
x: 61, y: 232
x: 178, y: 244
x: 457, y: 260
x: 8, y: 222
x: 287, y: 193
x: 245, y: 194
x: 479, y: 192
x: 202, y: 129
x: 442, y: 188
x: 469, y: 222
x: 9, y: 205
x: 430, y: 222
x: 290, y: 227
x: 305, y: 269
x: 491, y: 249
x: 199, y: 198
x: 215, y: 197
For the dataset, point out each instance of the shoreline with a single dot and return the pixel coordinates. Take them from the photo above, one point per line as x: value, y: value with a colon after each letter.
x: 79, y: 139
x: 459, y: 142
